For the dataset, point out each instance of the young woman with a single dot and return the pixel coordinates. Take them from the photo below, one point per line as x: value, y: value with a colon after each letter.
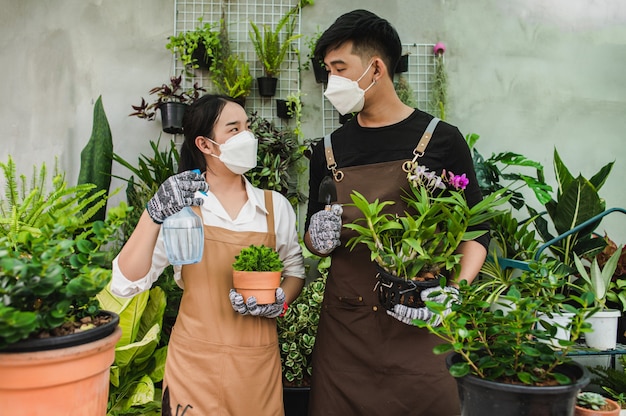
x: 221, y: 348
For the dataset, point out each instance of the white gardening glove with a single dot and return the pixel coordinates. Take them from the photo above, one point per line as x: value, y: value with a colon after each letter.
x: 176, y: 193
x: 325, y: 229
x: 446, y: 296
x: 250, y: 307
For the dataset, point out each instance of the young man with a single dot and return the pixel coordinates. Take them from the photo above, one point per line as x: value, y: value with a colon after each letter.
x: 367, y: 360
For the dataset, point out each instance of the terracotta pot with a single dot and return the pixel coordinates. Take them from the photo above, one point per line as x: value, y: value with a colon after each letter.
x: 614, y: 411
x: 261, y: 285
x: 71, y: 381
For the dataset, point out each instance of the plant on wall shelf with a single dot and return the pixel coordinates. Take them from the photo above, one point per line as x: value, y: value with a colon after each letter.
x: 196, y: 48
x: 404, y: 91
x: 230, y: 73
x: 171, y: 100
x: 440, y: 83
x: 271, y: 50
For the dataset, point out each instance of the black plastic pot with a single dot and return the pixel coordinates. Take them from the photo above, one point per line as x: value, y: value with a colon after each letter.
x: 172, y: 116
x: 403, y: 64
x: 282, y: 109
x: 483, y: 397
x: 343, y: 119
x: 321, y: 75
x: 296, y: 401
x: 199, y: 54
x: 267, y: 86
x: 394, y: 291
x: 65, y: 341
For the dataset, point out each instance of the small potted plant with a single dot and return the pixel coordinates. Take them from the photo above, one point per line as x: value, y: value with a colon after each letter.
x: 598, y: 281
x: 172, y: 99
x: 271, y: 50
x: 415, y: 249
x: 55, y: 340
x: 594, y: 404
x: 257, y: 272
x: 196, y: 48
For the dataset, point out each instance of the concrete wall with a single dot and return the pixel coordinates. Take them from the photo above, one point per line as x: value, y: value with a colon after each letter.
x: 526, y: 75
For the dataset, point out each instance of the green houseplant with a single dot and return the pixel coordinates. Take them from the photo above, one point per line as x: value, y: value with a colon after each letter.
x: 594, y: 404
x: 420, y: 245
x: 257, y: 272
x: 230, y: 73
x: 172, y: 99
x: 196, y: 48
x: 507, y: 362
x: 271, y: 50
x: 597, y: 281
x: 577, y: 200
x: 53, y: 262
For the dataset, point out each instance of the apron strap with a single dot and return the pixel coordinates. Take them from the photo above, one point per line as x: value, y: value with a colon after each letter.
x: 331, y: 164
x: 421, y: 145
x: 269, y: 206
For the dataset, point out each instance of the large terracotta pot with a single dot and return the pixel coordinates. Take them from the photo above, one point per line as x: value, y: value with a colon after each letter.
x: 261, y: 285
x: 71, y: 381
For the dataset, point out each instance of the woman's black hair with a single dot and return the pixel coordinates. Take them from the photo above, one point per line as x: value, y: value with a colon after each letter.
x: 199, y: 120
x: 369, y: 34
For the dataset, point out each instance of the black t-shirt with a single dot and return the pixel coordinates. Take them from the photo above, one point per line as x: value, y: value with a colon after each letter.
x: 354, y: 145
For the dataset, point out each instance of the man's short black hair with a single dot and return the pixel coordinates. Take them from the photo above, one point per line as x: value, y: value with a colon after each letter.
x: 369, y: 34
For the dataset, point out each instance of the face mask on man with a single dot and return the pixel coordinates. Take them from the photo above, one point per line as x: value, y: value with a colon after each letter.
x: 346, y: 95
x: 239, y: 153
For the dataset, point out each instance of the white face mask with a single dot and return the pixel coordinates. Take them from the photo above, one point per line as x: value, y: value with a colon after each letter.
x: 239, y: 153
x: 346, y: 95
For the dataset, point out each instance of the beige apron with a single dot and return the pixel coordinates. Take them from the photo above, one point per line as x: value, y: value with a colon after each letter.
x: 220, y: 362
x: 365, y: 362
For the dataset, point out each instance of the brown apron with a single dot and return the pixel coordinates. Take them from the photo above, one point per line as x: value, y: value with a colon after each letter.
x: 366, y: 362
x: 218, y: 361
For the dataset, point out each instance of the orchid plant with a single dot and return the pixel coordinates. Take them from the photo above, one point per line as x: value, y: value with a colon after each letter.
x: 422, y: 243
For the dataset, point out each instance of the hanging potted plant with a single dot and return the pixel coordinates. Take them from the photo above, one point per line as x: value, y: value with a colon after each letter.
x: 196, y: 48
x: 172, y: 99
x: 319, y: 69
x: 505, y: 362
x: 416, y: 250
x: 257, y: 272
x: 271, y: 50
x: 230, y: 73
x: 55, y: 341
x: 403, y: 63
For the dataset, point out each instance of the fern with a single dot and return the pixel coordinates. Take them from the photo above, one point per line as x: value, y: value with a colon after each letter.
x: 28, y: 208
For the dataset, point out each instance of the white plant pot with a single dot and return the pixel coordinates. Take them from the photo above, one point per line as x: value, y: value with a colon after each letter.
x: 563, y: 322
x: 502, y: 304
x: 604, y: 329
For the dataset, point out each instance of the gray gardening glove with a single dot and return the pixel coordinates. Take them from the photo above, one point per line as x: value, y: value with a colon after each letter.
x: 236, y: 300
x: 446, y: 296
x: 325, y: 229
x: 268, y: 311
x: 176, y: 193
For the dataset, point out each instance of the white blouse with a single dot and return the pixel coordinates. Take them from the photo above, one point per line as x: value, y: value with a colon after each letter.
x: 252, y: 217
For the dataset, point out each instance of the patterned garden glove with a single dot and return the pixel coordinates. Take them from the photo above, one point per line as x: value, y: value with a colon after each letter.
x: 445, y: 296
x: 269, y: 311
x: 325, y: 229
x: 176, y: 193
x: 236, y: 300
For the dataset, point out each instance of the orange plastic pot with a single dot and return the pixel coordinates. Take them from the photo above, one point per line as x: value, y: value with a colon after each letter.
x: 72, y: 381
x: 261, y: 285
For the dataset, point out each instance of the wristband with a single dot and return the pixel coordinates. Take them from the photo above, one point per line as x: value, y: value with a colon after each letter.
x: 285, y: 307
